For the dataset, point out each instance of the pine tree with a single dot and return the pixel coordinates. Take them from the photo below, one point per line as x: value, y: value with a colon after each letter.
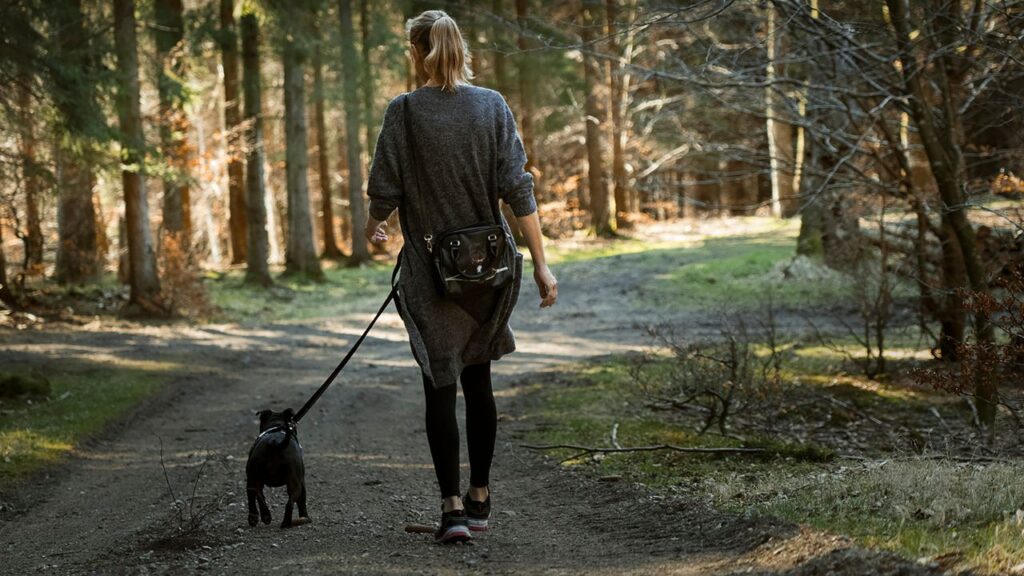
x: 294, y: 44
x: 171, y: 70
x: 353, y: 119
x: 237, y: 220
x: 331, y: 249
x: 74, y: 92
x: 257, y: 271
x: 145, y: 285
x: 599, y: 200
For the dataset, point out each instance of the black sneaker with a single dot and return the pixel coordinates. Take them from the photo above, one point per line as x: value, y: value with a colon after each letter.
x: 477, y: 513
x: 454, y: 528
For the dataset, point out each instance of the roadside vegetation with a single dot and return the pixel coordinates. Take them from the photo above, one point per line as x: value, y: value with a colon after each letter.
x: 43, y: 418
x: 881, y: 463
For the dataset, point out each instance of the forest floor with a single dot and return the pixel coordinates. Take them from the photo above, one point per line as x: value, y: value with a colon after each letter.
x: 108, y: 507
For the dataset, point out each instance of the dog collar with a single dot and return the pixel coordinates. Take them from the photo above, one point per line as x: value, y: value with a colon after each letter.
x: 276, y: 429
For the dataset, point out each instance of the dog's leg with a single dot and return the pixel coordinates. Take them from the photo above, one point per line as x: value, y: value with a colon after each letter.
x: 264, y: 511
x: 251, y: 491
x: 287, y: 522
x: 294, y: 496
x: 303, y: 515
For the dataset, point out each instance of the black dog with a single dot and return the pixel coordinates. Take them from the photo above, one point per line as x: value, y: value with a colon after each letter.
x: 276, y: 460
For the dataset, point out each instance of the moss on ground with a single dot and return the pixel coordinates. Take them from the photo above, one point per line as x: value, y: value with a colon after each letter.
x: 38, y: 432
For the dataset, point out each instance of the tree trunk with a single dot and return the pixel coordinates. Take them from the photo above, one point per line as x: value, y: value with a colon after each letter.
x: 145, y: 285
x: 353, y: 120
x: 780, y: 134
x: 601, y: 223
x: 943, y: 144
x: 498, y: 47
x: 813, y: 192
x: 331, y: 249
x: 811, y: 240
x: 171, y: 59
x: 236, y: 178
x: 78, y: 254
x: 6, y: 295
x: 953, y: 320
x: 256, y: 271
x: 300, y: 250
x: 30, y: 175
x: 367, y: 76
x: 617, y: 91
x: 526, y: 97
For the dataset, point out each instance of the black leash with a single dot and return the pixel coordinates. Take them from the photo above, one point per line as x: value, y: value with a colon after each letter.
x: 330, y: 379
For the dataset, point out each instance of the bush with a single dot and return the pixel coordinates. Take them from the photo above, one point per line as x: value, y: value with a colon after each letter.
x: 719, y: 379
x: 182, y: 286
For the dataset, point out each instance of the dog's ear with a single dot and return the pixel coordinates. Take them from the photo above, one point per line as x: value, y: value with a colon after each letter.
x: 264, y: 416
x: 289, y: 415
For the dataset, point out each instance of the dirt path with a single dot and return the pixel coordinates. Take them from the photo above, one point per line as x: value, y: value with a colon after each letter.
x: 107, y: 510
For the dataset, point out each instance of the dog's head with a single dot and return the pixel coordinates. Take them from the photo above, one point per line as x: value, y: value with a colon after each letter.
x: 284, y: 419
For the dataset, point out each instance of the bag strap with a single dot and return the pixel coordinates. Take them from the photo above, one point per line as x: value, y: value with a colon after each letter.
x: 496, y: 212
x: 341, y: 366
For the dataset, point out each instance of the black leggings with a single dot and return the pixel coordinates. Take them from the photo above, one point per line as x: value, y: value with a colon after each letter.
x: 443, y: 428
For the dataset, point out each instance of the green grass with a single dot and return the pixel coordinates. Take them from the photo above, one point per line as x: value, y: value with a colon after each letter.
x: 731, y: 272
x: 914, y: 507
x: 345, y: 290
x: 37, y: 433
x: 583, y: 410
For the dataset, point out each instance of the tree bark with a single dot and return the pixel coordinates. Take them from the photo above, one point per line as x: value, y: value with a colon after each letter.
x: 171, y: 58
x: 780, y: 134
x: 78, y: 254
x: 145, y: 285
x: 300, y: 250
x: 943, y: 144
x: 811, y: 240
x: 6, y: 295
x: 257, y: 271
x: 526, y: 97
x: 331, y: 249
x: 617, y: 100
x: 498, y: 47
x: 353, y: 120
x: 367, y: 76
x: 601, y: 223
x: 237, y: 209
x: 30, y: 175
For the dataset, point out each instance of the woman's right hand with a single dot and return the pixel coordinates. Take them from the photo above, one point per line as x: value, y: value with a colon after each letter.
x: 547, y: 284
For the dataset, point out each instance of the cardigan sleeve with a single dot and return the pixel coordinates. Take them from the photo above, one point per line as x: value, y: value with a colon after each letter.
x: 384, y: 186
x: 515, y: 184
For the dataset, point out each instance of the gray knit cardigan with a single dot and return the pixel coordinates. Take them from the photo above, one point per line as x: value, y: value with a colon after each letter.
x: 470, y: 156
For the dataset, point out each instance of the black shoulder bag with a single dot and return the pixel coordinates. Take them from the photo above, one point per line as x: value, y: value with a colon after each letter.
x: 467, y: 259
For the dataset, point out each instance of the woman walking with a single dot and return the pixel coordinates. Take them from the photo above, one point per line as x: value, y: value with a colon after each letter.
x: 446, y: 154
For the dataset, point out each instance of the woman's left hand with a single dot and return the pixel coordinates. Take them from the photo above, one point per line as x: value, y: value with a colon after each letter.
x: 376, y: 231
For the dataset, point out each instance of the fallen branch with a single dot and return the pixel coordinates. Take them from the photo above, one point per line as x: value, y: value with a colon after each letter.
x: 583, y: 450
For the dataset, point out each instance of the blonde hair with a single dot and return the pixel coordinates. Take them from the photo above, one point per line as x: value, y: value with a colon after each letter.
x: 436, y: 35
